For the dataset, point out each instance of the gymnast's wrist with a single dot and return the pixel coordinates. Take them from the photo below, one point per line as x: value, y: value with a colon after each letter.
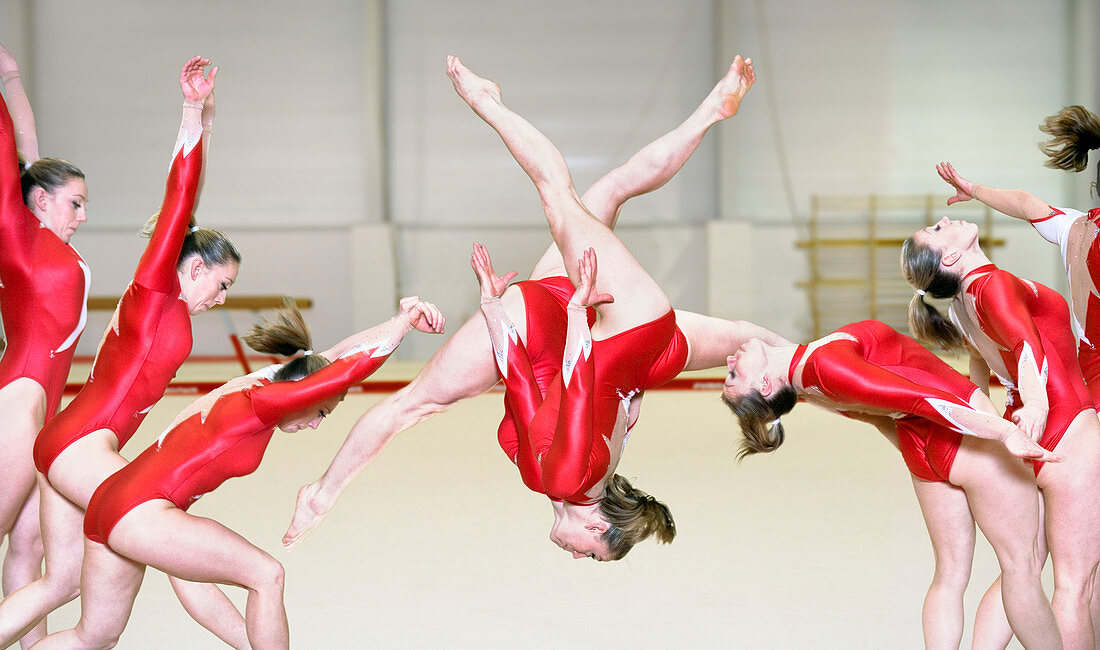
x: 404, y: 322
x: 7, y: 77
x: 490, y: 300
x: 193, y: 103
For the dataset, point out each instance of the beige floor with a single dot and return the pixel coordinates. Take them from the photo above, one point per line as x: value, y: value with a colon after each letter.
x: 820, y: 545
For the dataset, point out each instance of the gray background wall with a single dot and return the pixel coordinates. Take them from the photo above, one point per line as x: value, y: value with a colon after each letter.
x: 348, y: 171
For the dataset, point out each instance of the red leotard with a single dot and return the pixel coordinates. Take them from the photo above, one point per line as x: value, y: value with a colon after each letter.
x: 544, y: 304
x: 1072, y: 231
x: 1024, y: 317
x: 43, y: 286
x: 148, y: 339
x: 563, y: 438
x: 208, y: 448
x: 876, y: 370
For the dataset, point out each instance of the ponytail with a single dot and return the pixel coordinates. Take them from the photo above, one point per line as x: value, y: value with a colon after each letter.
x: 1073, y: 131
x: 759, y: 417
x: 921, y: 267
x: 286, y: 335
x: 212, y: 246
x: 632, y: 516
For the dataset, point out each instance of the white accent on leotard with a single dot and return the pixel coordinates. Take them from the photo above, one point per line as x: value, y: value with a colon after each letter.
x: 570, y: 359
x: 501, y: 354
x: 1027, y: 356
x: 67, y: 343
x: 190, y: 133
x: 947, y: 410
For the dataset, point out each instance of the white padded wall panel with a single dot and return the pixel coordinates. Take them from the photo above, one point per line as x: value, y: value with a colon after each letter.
x: 289, y: 133
x: 600, y: 79
x: 869, y: 96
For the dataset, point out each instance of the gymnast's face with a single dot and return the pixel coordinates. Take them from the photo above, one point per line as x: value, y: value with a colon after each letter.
x: 205, y: 286
x: 747, y: 370
x: 310, y: 418
x: 946, y: 235
x: 579, y: 530
x: 63, y: 210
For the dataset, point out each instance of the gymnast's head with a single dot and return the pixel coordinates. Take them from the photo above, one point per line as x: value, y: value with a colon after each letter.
x: 758, y: 393
x: 207, y: 265
x: 929, y: 263
x: 287, y: 334
x: 55, y: 192
x: 608, y: 529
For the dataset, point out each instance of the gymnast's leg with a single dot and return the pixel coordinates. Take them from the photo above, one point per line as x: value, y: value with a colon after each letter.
x: 638, y: 297
x: 657, y: 162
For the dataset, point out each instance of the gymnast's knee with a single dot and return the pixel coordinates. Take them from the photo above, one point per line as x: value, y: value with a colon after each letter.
x: 414, y: 404
x: 99, y: 638
x: 1075, y: 583
x: 25, y: 544
x: 268, y: 575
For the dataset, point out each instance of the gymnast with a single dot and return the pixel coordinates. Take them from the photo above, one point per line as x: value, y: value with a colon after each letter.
x: 1074, y: 131
x: 463, y: 367
x: 1021, y: 331
x: 183, y: 271
x: 955, y: 445
x: 138, y: 516
x: 43, y: 300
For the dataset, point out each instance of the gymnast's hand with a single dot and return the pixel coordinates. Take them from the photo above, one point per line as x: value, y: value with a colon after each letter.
x: 422, y: 316
x: 586, y: 294
x: 964, y: 189
x: 1020, y: 445
x: 1032, y: 420
x: 492, y: 286
x: 308, y: 514
x: 195, y: 86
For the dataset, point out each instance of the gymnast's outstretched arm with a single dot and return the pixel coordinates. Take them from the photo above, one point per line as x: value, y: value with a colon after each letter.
x: 26, y: 135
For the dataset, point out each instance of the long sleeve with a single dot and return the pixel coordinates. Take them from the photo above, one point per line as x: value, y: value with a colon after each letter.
x: 575, y: 452
x: 274, y: 401
x: 11, y: 192
x: 1055, y: 226
x: 843, y: 375
x: 157, y: 267
x: 521, y: 390
x: 1003, y: 311
x: 22, y: 116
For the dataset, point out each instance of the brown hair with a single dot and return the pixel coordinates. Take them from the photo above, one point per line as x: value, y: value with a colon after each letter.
x: 758, y: 417
x: 921, y: 267
x: 212, y: 246
x: 1073, y: 131
x: 632, y: 516
x: 47, y: 173
x: 286, y: 335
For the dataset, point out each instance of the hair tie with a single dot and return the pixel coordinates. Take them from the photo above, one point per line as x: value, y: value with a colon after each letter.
x: 194, y: 228
x: 921, y: 292
x: 307, y: 353
x: 773, y: 423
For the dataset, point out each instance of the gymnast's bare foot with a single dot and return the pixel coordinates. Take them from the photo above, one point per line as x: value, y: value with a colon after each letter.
x: 480, y: 94
x: 731, y: 88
